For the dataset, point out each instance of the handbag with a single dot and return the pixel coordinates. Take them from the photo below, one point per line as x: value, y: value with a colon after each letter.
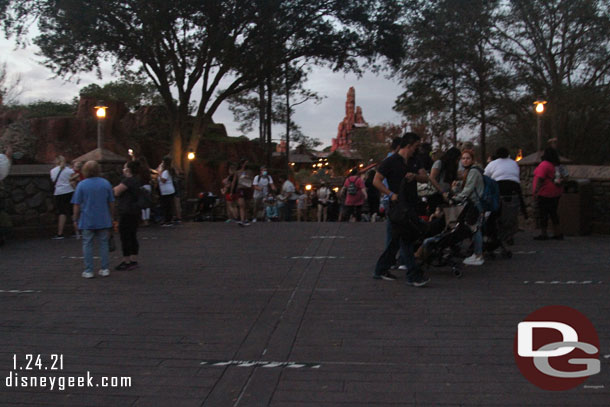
x: 244, y: 181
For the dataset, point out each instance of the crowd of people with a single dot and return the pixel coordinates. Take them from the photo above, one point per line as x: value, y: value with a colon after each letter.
x: 449, y: 178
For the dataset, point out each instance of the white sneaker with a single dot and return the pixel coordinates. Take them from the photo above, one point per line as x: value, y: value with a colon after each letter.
x: 88, y: 274
x: 104, y: 272
x: 254, y: 220
x: 474, y: 260
x: 402, y: 267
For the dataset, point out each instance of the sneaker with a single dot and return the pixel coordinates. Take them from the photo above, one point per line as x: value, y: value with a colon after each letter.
x: 58, y: 237
x: 402, y: 267
x: 240, y: 223
x: 541, y: 237
x: 387, y: 276
x: 88, y: 274
x: 123, y: 266
x: 228, y: 220
x: 133, y: 265
x: 245, y: 223
x: 166, y: 225
x: 254, y: 220
x: 418, y: 281
x: 474, y: 260
x: 103, y: 272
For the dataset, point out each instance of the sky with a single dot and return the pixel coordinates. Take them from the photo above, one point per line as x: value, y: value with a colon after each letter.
x: 375, y: 94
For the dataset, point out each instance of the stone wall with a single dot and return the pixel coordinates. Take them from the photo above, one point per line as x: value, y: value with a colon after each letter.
x: 594, y: 207
x: 27, y: 196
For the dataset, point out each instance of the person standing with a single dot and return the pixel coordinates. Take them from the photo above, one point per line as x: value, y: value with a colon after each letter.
x: 5, y: 162
x: 547, y: 192
x: 323, y: 194
x: 396, y: 168
x: 472, y: 191
x: 228, y: 190
x: 129, y: 214
x: 290, y: 196
x: 166, y: 188
x: 243, y: 185
x: 62, y: 192
x: 261, y: 184
x: 355, y: 195
x: 145, y: 179
x: 372, y: 196
x: 93, y: 205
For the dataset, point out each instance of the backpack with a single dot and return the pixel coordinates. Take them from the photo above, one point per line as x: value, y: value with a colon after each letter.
x: 490, y: 200
x: 352, y: 188
x: 144, y: 200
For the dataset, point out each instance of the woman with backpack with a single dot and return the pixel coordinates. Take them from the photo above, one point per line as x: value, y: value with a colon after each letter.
x: 355, y: 195
x: 472, y: 191
x: 129, y: 214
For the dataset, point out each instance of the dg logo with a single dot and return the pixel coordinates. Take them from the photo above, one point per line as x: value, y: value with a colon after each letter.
x: 557, y: 348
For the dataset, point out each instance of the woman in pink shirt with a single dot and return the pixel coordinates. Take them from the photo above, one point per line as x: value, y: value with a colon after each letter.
x: 355, y: 195
x: 547, y: 193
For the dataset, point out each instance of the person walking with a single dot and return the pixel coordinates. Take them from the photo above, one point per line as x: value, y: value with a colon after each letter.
x: 243, y: 185
x: 355, y: 195
x: 62, y: 192
x: 547, y: 191
x: 167, y: 189
x: 396, y: 168
x: 229, y: 192
x: 93, y: 204
x: 261, y: 184
x: 129, y: 214
x: 472, y: 191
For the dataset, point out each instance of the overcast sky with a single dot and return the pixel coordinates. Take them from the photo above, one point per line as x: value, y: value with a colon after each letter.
x: 375, y: 94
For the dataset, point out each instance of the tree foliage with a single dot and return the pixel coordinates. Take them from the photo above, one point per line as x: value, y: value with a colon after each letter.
x: 133, y: 94
x: 189, y: 46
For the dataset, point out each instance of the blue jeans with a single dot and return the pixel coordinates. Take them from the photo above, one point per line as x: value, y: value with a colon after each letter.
x: 102, y: 235
x: 477, y: 240
x: 388, y: 234
x: 386, y: 260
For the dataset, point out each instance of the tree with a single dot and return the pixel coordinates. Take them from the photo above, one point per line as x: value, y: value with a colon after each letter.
x: 10, y: 87
x: 133, y: 93
x: 560, y: 50
x: 372, y: 143
x: 188, y: 44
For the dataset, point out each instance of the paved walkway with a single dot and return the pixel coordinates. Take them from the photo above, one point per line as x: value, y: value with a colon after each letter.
x: 209, y: 295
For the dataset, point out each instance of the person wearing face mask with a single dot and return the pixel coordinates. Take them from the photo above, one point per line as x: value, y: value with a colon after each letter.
x: 261, y: 184
x: 129, y: 214
x: 474, y: 186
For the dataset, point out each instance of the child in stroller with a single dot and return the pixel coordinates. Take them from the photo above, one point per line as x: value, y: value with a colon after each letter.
x: 271, y: 210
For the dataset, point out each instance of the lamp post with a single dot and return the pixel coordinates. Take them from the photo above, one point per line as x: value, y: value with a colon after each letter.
x: 539, y: 111
x: 189, y: 184
x: 100, y: 112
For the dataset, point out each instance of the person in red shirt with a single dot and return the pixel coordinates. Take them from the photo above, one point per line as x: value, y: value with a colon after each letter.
x: 355, y: 195
x: 547, y: 192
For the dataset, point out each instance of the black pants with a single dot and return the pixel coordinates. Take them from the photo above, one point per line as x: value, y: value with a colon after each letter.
x: 166, y: 205
x: 350, y: 210
x: 128, y: 229
x: 548, y: 208
x: 289, y: 209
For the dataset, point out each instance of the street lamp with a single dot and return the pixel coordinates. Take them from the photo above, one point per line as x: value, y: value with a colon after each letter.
x: 539, y: 109
x: 190, y: 156
x: 100, y: 112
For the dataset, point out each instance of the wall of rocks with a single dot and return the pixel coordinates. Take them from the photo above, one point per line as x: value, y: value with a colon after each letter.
x: 28, y: 199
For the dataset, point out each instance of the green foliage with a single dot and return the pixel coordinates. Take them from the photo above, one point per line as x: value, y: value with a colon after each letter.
x: 46, y: 108
x: 372, y: 143
x: 133, y: 94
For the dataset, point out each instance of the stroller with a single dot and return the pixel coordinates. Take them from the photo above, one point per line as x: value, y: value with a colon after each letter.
x: 444, y: 248
x: 205, y: 207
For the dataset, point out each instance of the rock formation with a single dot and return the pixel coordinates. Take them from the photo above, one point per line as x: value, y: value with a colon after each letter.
x: 353, y: 118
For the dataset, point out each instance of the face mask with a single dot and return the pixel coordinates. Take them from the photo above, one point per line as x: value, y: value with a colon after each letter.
x: 264, y: 173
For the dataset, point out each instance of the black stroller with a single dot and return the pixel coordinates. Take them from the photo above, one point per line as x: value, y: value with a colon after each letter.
x: 205, y: 207
x: 444, y: 248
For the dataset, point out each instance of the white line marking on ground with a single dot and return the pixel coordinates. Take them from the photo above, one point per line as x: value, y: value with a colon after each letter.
x: 595, y: 387
x: 260, y: 363
x: 557, y: 282
x: 20, y: 291
x: 316, y: 257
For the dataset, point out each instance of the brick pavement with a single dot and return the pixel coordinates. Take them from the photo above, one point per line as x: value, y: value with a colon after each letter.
x: 283, y: 293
